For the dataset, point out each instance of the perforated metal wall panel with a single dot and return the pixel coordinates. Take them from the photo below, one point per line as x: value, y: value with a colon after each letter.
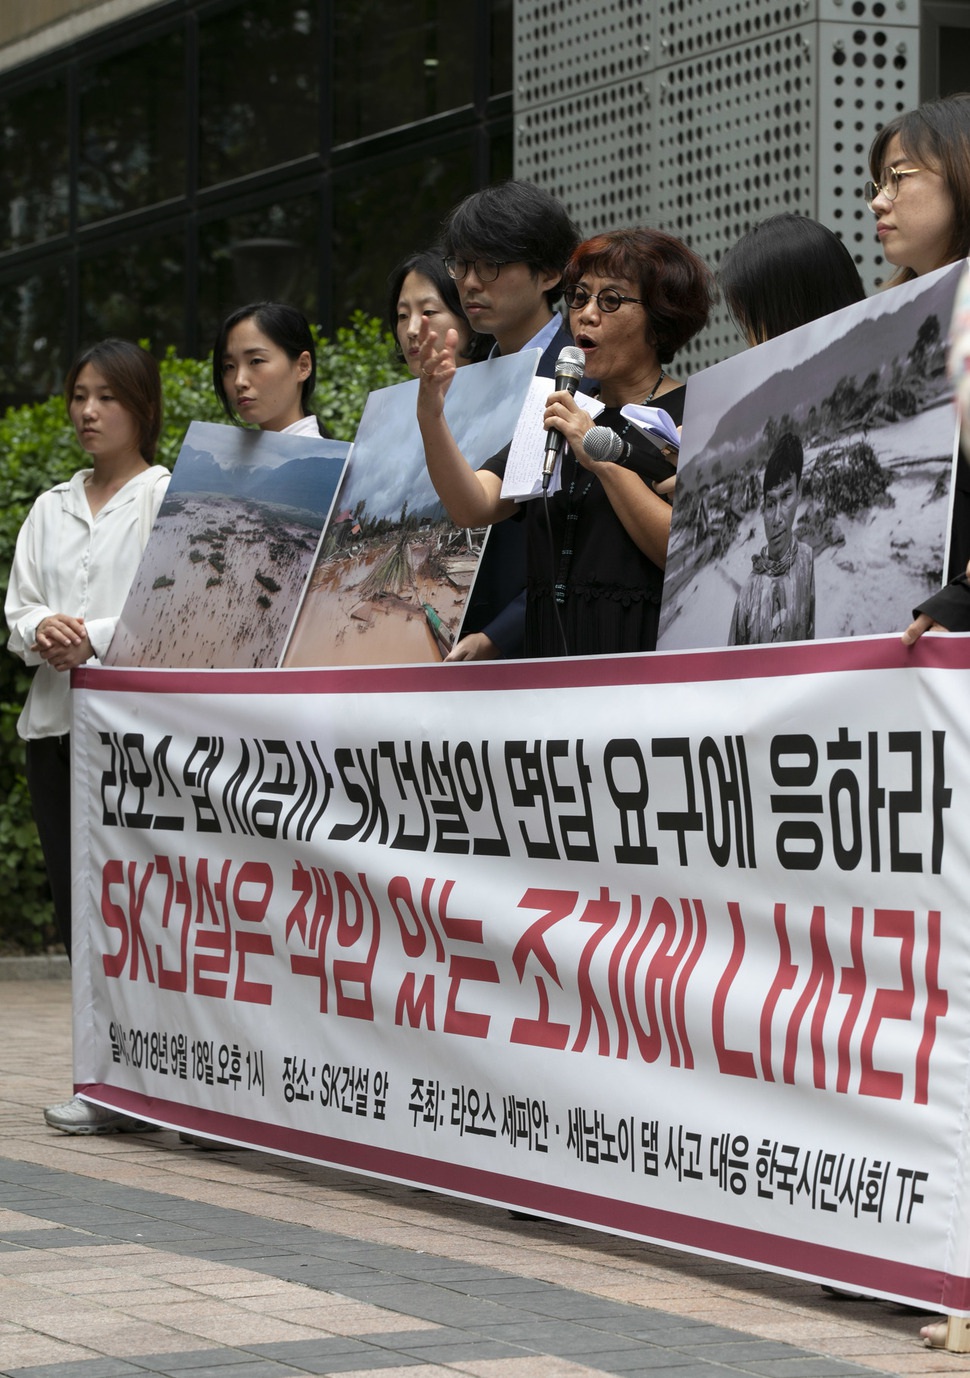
x: 703, y: 117
x: 869, y: 73
x: 582, y: 103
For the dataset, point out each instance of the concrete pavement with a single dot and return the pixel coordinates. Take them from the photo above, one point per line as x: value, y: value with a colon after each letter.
x: 128, y: 1255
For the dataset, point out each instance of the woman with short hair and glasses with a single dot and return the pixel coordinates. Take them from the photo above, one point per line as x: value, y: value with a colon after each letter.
x: 597, y: 547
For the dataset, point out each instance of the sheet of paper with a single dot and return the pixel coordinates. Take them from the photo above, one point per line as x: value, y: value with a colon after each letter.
x: 523, y: 473
x: 653, y: 423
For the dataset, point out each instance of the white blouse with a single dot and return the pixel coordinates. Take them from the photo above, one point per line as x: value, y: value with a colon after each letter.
x: 68, y: 561
x: 307, y: 425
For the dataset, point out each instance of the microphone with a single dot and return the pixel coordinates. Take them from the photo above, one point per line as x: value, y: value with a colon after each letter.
x: 569, y: 370
x: 600, y: 442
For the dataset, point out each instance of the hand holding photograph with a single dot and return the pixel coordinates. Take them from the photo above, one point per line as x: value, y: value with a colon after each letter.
x: 814, y: 480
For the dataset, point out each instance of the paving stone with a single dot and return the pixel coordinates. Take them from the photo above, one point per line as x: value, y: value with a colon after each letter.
x: 802, y: 1365
x: 246, y: 1367
x: 437, y: 1344
x: 52, y: 1239
x: 634, y: 1361
x: 81, y: 1368
x: 189, y: 1361
x: 346, y: 1363
x: 491, y: 1296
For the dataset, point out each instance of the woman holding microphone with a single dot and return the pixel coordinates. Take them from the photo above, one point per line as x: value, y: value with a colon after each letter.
x: 596, y: 549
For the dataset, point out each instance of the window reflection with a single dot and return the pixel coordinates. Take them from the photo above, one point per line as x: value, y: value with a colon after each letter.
x: 268, y: 254
x: 501, y: 161
x: 138, y: 294
x: 133, y: 129
x: 383, y: 118
x: 258, y: 88
x: 380, y: 217
x: 400, y: 61
x: 501, y: 19
x: 33, y: 343
x: 34, y: 173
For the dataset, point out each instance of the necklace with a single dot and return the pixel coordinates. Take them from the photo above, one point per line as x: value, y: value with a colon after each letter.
x: 653, y: 391
x: 574, y: 502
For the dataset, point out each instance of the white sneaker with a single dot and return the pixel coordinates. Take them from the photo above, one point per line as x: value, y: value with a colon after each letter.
x: 77, y: 1116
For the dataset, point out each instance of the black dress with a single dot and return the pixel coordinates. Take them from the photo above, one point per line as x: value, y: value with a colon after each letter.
x: 951, y: 605
x: 611, y: 590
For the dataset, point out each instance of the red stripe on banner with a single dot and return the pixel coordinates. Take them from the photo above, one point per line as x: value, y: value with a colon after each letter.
x: 590, y: 672
x: 842, y: 1267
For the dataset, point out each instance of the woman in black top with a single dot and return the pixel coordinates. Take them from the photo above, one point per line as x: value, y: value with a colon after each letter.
x: 597, y: 547
x: 920, y: 196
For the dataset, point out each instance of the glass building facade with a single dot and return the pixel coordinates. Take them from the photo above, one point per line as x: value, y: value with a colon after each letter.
x: 158, y: 170
x: 205, y: 153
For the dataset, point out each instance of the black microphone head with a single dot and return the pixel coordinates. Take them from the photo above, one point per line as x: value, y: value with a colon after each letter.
x: 571, y: 363
x: 600, y: 442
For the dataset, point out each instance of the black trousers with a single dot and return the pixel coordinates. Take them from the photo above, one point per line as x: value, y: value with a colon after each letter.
x: 49, y: 781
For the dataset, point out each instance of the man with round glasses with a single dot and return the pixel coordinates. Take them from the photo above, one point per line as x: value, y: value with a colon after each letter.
x: 506, y: 247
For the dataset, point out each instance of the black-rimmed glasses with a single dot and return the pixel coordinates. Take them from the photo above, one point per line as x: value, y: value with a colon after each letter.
x: 888, y: 184
x: 609, y: 300
x: 485, y: 269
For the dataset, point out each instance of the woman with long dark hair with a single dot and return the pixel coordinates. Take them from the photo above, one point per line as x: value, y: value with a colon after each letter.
x: 786, y: 271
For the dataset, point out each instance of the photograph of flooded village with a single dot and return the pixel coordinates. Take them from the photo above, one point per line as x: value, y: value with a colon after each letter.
x: 230, y: 551
x: 393, y: 574
x: 865, y: 393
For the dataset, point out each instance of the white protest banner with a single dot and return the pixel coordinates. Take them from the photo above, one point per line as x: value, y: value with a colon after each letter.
x: 671, y: 945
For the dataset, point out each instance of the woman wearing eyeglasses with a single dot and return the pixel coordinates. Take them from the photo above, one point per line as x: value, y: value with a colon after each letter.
x: 920, y: 196
x: 597, y: 547
x: 420, y: 287
x: 920, y: 188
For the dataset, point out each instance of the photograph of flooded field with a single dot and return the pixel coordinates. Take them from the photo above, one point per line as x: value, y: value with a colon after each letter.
x: 863, y: 395
x: 393, y: 573
x: 230, y: 551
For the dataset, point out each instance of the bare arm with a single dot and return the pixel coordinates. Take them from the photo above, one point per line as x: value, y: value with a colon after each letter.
x: 471, y: 497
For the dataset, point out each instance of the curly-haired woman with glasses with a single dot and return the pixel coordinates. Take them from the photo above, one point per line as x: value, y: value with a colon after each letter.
x: 597, y: 547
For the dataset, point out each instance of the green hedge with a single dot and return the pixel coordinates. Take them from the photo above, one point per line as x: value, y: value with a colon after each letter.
x: 37, y: 450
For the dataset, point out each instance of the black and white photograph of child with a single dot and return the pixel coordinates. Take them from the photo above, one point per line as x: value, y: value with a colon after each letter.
x: 858, y: 539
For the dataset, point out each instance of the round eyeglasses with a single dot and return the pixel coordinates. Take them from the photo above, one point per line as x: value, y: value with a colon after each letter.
x: 485, y: 269
x: 609, y: 300
x: 888, y: 184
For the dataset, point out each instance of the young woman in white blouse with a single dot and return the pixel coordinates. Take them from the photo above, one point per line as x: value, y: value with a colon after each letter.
x: 77, y: 554
x: 264, y: 368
